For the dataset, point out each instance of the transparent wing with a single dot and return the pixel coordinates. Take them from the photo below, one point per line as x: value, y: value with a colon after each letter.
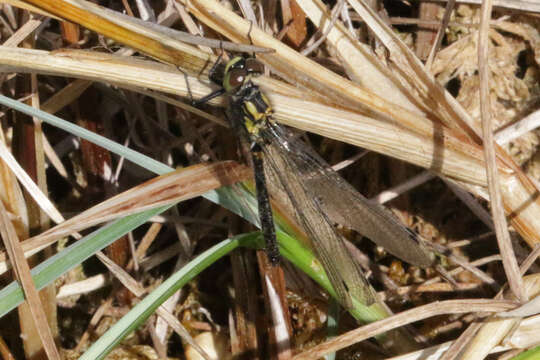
x: 346, y: 206
x: 342, y: 270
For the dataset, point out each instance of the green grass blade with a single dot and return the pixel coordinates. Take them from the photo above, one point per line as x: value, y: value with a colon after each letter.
x: 532, y: 354
x: 45, y: 273
x: 150, y: 303
x: 132, y: 155
x: 306, y: 261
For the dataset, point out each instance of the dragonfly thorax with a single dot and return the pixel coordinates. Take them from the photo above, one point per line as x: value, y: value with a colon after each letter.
x: 256, y: 109
x: 252, y: 110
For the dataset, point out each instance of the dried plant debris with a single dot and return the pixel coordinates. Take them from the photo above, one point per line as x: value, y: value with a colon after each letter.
x: 224, y: 309
x: 514, y: 71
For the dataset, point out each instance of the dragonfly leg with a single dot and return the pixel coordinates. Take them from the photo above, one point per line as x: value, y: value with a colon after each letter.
x: 208, y: 97
x: 186, y: 79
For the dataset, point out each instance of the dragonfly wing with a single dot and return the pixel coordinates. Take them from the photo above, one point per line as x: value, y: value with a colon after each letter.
x: 348, y: 207
x: 342, y: 270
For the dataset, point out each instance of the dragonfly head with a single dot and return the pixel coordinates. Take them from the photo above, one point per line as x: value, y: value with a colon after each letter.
x: 239, y: 71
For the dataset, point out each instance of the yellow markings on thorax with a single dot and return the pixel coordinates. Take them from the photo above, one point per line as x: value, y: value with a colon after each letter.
x: 254, y: 118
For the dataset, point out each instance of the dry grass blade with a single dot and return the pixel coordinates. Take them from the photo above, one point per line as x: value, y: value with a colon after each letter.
x: 31, y: 8
x: 501, y: 228
x: 530, y: 260
x: 420, y: 81
x: 457, y: 160
x: 66, y: 96
x: 440, y: 33
x: 458, y: 345
x: 136, y: 36
x: 518, y: 129
x: 335, y: 13
x: 280, y: 328
x: 494, y: 331
x: 480, y: 339
x: 22, y: 33
x: 415, y: 78
x: 522, y: 338
x: 397, y: 190
x: 406, y: 317
x: 155, y: 30
x: 100, y: 67
x: 22, y: 272
x: 529, y: 308
x: 521, y: 5
x: 359, y: 61
x: 29, y: 185
x: 85, y: 286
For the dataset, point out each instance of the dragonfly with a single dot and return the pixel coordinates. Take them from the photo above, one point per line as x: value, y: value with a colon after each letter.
x: 318, y: 196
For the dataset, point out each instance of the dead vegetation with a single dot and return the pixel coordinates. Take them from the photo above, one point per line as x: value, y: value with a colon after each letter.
x: 347, y: 75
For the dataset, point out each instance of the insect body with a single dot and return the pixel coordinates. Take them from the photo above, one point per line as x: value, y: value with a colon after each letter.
x: 311, y: 190
x: 250, y: 113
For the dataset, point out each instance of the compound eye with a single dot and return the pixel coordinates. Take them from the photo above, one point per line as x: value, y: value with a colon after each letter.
x: 237, y: 77
x: 254, y: 66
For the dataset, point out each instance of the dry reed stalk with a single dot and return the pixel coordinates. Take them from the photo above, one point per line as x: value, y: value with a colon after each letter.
x: 501, y: 227
x: 457, y: 160
x: 30, y: 8
x: 23, y: 275
x: 154, y: 43
x: 494, y: 331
